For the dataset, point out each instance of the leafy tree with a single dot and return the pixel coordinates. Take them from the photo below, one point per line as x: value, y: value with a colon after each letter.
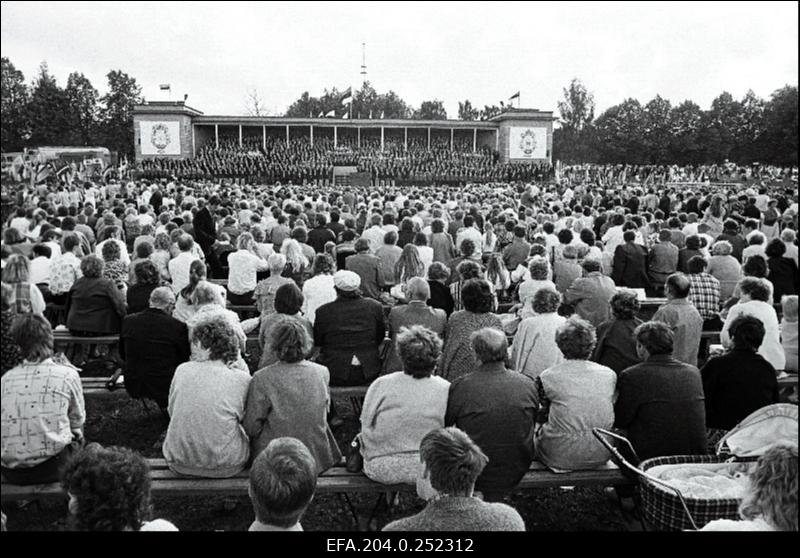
x: 490, y: 111
x: 116, y: 115
x: 366, y: 102
x: 618, y: 133
x: 720, y: 127
x: 657, y: 127
x: 431, y: 110
x: 82, y: 116
x: 686, y: 120
x: 392, y: 106
x: 15, y: 97
x: 467, y: 112
x: 749, y: 128
x: 779, y: 139
x: 577, y: 108
x: 47, y: 112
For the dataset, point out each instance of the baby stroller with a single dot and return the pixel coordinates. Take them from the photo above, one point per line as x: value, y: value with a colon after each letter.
x: 663, y: 507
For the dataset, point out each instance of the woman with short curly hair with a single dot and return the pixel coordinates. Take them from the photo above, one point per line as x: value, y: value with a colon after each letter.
x: 534, y: 349
x: 726, y: 268
x: 458, y: 358
x: 147, y: 280
x: 291, y: 397
x: 95, y: 305
x: 616, y: 344
x: 288, y: 303
x: 540, y: 274
x: 205, y: 437
x: 402, y: 407
x: 109, y: 490
x: 574, y: 397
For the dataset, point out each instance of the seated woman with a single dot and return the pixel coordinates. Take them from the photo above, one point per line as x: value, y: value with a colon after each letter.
x: 109, y: 490
x: 184, y: 309
x: 534, y: 349
x: 288, y: 301
x: 27, y: 296
x: 539, y: 269
x: 319, y: 289
x: 770, y: 503
x: 726, y: 268
x: 43, y: 410
x: 95, y: 305
x: 291, y: 397
x: 147, y: 280
x: 113, y: 266
x: 401, y: 408
x: 756, y: 300
x: 467, y: 270
x: 205, y: 437
x: 574, y: 397
x: 10, y: 355
x: 408, y: 266
x: 788, y: 328
x: 208, y: 304
x: 441, y: 298
x: 740, y: 381
x: 458, y: 358
x: 244, y: 266
x: 265, y: 290
x: 616, y: 345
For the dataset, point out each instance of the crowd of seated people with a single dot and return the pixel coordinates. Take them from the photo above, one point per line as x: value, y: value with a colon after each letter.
x: 344, y: 293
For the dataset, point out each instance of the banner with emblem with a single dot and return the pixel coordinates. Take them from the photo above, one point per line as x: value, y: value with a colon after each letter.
x: 160, y: 138
x: 527, y: 143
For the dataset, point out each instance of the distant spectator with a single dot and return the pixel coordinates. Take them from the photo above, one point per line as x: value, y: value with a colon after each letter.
x: 782, y: 271
x: 441, y: 297
x: 265, y: 290
x: 95, y: 306
x: 534, y: 348
x: 147, y: 280
x: 788, y: 327
x: 11, y: 355
x: 591, y: 293
x: 27, y: 296
x: 288, y: 302
x: 682, y: 317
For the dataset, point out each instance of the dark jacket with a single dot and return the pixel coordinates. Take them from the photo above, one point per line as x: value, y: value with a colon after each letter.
x: 441, y: 297
x: 204, y: 229
x: 138, y: 297
x: 736, y: 384
x: 318, y: 236
x: 783, y: 276
x: 152, y: 344
x: 630, y: 266
x: 347, y: 327
x: 616, y: 345
x: 95, y: 305
x: 367, y: 267
x: 660, y: 404
x: 684, y: 256
x: 496, y: 408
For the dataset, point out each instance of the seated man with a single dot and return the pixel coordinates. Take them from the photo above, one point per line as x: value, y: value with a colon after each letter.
x: 153, y: 344
x: 453, y: 463
x: 591, y: 294
x: 43, y: 410
x: 660, y: 401
x: 496, y: 407
x: 682, y: 316
x: 283, y: 479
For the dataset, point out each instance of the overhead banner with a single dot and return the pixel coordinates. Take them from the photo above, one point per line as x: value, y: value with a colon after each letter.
x: 527, y: 143
x: 160, y: 138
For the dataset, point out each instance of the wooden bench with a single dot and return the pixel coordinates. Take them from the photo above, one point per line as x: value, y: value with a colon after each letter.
x: 336, y: 480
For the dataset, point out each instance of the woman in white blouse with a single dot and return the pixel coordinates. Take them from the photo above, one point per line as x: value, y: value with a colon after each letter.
x: 756, y: 300
x: 319, y: 289
x: 244, y: 265
x: 535, y: 349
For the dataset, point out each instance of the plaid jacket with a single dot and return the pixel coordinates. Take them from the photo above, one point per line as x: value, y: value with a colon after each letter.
x: 704, y: 294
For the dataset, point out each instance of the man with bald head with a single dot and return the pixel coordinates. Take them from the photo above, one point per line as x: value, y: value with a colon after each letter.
x: 682, y: 317
x: 153, y: 344
x: 416, y: 312
x: 496, y: 407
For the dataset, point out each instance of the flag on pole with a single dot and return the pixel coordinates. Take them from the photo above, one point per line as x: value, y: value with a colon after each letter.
x: 164, y: 86
x: 370, y: 114
x: 514, y: 96
x: 347, y: 97
x: 321, y: 114
x: 345, y: 116
x: 330, y: 113
x: 383, y: 115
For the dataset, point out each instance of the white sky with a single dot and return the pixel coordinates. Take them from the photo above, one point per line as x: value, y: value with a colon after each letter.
x: 484, y: 52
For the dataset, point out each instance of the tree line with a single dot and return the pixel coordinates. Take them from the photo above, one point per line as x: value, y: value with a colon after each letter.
x: 742, y: 131
x: 44, y: 113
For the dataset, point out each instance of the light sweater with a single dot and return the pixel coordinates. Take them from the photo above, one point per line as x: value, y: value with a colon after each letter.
x: 399, y: 410
x: 461, y: 514
x: 244, y: 267
x: 205, y: 437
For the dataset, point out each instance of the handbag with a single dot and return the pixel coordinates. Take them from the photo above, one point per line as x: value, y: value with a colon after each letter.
x: 355, y: 461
